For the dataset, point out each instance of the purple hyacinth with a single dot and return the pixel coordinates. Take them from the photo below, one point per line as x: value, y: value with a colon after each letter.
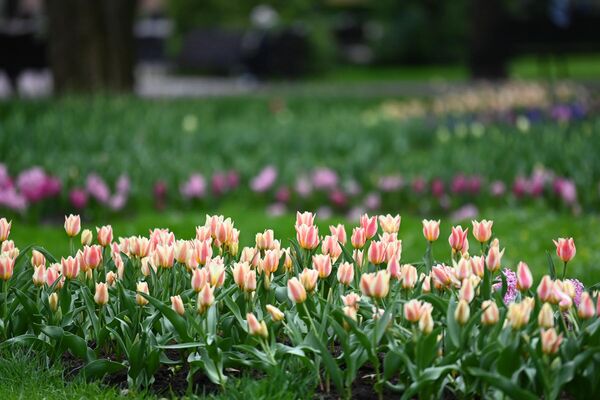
x: 390, y: 183
x: 324, y: 179
x: 9, y: 198
x: 511, y: 283
x: 578, y: 290
x: 97, y: 188
x: 31, y: 183
x: 195, y: 187
x: 264, y: 180
x: 78, y: 198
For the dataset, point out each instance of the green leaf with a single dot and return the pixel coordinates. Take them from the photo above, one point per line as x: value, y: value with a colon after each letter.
x: 551, y: 267
x: 176, y: 320
x: 508, y: 387
x: 179, y: 346
x: 330, y: 365
x: 453, y: 328
x: 98, y: 368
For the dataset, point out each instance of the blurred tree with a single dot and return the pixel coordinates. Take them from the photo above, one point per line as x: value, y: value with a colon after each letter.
x: 91, y: 44
x: 488, y: 41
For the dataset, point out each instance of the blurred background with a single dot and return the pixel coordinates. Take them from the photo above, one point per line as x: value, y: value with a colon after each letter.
x: 154, y: 112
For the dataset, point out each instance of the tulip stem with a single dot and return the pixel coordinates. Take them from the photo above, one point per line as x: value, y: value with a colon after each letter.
x: 564, y: 270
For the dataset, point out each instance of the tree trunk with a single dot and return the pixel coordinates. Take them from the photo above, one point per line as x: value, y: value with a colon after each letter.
x: 488, y: 43
x: 91, y: 45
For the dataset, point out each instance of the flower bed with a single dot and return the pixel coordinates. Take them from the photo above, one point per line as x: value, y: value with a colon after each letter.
x: 344, y: 305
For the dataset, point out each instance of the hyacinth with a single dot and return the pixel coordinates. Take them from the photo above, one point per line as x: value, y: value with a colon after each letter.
x: 264, y: 180
x: 579, y: 288
x: 511, y: 285
x: 194, y: 187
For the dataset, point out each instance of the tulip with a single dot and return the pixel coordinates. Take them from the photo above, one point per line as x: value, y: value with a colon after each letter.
x: 270, y: 262
x: 369, y: 225
x: 53, y: 301
x: 305, y: 218
x: 586, y: 306
x: 358, y: 257
x: 182, y: 249
x: 389, y: 223
x: 111, y: 278
x: 482, y: 231
x: 426, y: 285
x: 86, y: 237
x: 394, y: 268
x: 250, y: 281
x: 493, y: 260
x: 462, y: 312
x: 409, y: 276
x: 377, y: 252
x: 358, y: 238
x: 546, y: 316
x: 491, y: 314
x: 199, y: 278
x: 524, y: 278
x: 339, y: 232
x: 5, y: 226
x: 296, y: 291
x: 177, y: 305
x: 345, y: 273
x: 140, y: 246
x: 467, y: 291
x: 287, y: 262
x: 440, y: 275
x: 256, y: 328
x: 52, y: 274
x: 518, y: 314
x: 477, y: 264
x: 164, y: 256
x: 37, y: 258
x: 431, y: 230
x: 565, y: 249
x: 250, y: 255
x: 550, y: 341
x: 463, y: 269
x: 276, y: 313
x: 203, y: 233
x: 413, y: 310
x: 39, y: 275
x: 216, y: 269
x: 101, y: 295
x: 544, y: 289
x: 105, y: 235
x: 458, y: 239
x: 92, y: 257
x: 393, y: 249
x: 72, y: 225
x: 375, y: 285
x: 309, y: 277
x: 351, y: 300
x: 322, y: 263
x: 141, y: 287
x: 205, y: 298
x: 70, y: 267
x: 239, y: 272
x: 351, y: 313
x: 307, y: 236
x: 203, y: 251
x: 330, y: 246
x: 264, y: 241
x: 426, y: 321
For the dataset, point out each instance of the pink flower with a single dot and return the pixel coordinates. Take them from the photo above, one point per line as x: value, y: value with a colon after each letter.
x: 458, y: 239
x: 78, y: 198
x: 264, y: 180
x: 565, y: 249
x: 369, y: 224
x: 324, y: 179
x: 97, y: 188
x: 194, y: 188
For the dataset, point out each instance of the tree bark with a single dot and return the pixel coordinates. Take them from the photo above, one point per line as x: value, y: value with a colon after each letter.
x: 91, y: 45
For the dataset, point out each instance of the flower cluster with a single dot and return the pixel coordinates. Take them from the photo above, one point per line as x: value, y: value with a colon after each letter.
x: 465, y: 319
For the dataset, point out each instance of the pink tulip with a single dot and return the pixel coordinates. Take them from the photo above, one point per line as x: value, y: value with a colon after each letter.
x: 463, y: 269
x: 467, y: 291
x: 4, y: 229
x: 440, y: 274
x: 264, y: 241
x: 92, y: 257
x: 482, y: 231
x: 307, y: 236
x: 477, y: 264
x: 205, y: 298
x: 39, y: 275
x: 256, y: 328
x: 389, y: 223
x: 70, y: 267
x: 431, y: 230
x: 369, y: 225
x: 544, y: 289
x: 491, y: 314
x: 565, y: 249
x: 377, y: 253
x: 309, y: 278
x: 524, y: 277
x: 586, y: 306
x: 345, y: 273
x: 199, y: 278
x: 52, y: 274
x: 141, y: 287
x: 330, y: 245
x: 296, y: 291
x: 393, y: 267
x: 409, y: 276
x: 305, y: 218
x: 7, y: 265
x: 322, y: 263
x: 164, y: 256
x: 72, y: 225
x: 493, y: 260
x: 270, y: 262
x: 105, y: 235
x: 250, y: 281
x: 339, y: 231
x: 177, y: 305
x: 101, y: 295
x: 351, y: 300
x: 359, y: 238
x: 458, y: 239
x: 37, y: 258
x: 550, y: 341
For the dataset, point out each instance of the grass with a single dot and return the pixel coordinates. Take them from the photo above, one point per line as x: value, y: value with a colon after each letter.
x: 526, y: 233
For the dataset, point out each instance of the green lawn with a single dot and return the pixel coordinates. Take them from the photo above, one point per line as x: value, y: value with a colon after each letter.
x: 526, y: 233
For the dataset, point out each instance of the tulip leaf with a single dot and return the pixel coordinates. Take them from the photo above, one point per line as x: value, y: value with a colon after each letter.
x: 452, y: 325
x: 179, y: 346
x: 330, y: 365
x: 175, y: 319
x: 505, y: 385
x: 98, y: 368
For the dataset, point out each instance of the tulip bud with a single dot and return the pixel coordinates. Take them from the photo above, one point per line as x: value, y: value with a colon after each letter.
x: 409, y: 276
x: 586, y: 306
x: 39, y: 275
x: 309, y: 277
x: 377, y: 253
x: 462, y: 312
x: 111, y: 278
x: 53, y: 301
x: 349, y: 312
x: 351, y: 300
x: 331, y: 247
x: 358, y: 238
x: 256, y: 328
x: 426, y: 321
x: 305, y: 218
x: 250, y: 281
x: 518, y: 314
x: 524, y: 278
x: 37, y: 258
x: 86, y: 237
x: 264, y: 241
x: 458, y: 239
x: 491, y: 314
x: 4, y: 229
x: 105, y: 235
x: 345, y: 273
x: 544, y: 290
x: 358, y: 257
x: 101, y: 295
x: 494, y: 257
x: 70, y: 267
x: 467, y: 291
x: 276, y: 313
x: 565, y: 249
x: 72, y: 225
x: 477, y: 264
x: 307, y: 236
x: 200, y: 277
x: 550, y: 341
x: 546, y: 316
x: 482, y: 231
x: 7, y: 265
x: 296, y: 291
x: 205, y: 298
x: 287, y: 262
x: 412, y: 310
x: 141, y: 287
x: 431, y: 230
x: 177, y: 305
x: 92, y: 257
x: 322, y: 263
